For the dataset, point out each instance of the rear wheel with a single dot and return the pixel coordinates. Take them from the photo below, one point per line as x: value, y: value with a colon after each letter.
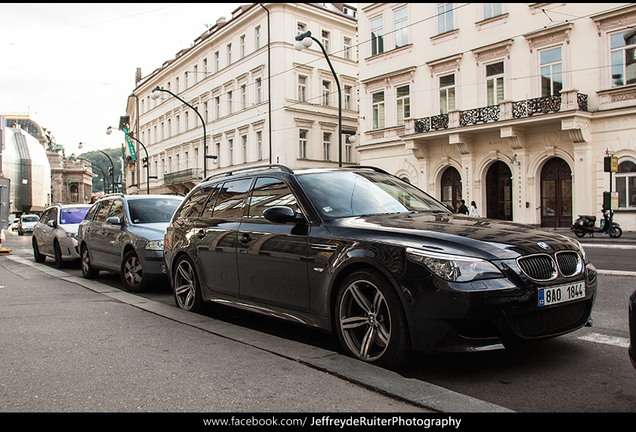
x: 370, y: 321
x: 132, y: 273
x: 88, y: 271
x: 616, y: 232
x: 579, y: 232
x: 185, y: 283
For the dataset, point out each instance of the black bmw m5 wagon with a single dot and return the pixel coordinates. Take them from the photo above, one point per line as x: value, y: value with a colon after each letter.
x: 375, y: 260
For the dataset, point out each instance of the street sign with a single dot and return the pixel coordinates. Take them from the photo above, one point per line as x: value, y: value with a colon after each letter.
x: 131, y: 147
x: 611, y: 164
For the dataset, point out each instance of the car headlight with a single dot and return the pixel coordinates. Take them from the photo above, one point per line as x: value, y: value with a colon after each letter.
x: 156, y: 245
x: 454, y: 268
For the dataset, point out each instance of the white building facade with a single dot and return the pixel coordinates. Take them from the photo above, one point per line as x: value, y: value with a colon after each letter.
x: 512, y: 105
x: 261, y: 100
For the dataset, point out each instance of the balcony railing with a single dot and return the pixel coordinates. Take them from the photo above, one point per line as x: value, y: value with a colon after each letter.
x: 513, y: 110
x: 182, y: 176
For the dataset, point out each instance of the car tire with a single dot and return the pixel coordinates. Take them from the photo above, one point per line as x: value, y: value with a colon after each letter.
x: 186, y: 287
x: 37, y: 256
x: 59, y: 261
x: 88, y: 271
x: 369, y: 320
x: 132, y: 273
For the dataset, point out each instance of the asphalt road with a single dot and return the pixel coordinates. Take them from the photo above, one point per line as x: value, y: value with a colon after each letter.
x: 586, y: 371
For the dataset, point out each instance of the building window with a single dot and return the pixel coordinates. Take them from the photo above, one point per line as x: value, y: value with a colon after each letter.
x: 243, y: 96
x: 230, y: 145
x: 325, y: 41
x: 169, y: 128
x: 492, y: 10
x: 177, y: 122
x: 494, y: 83
x: 551, y: 65
x: 622, y: 51
x: 229, y: 54
x: 403, y: 104
x: 378, y: 110
x: 348, y: 152
x: 229, y: 102
x: 163, y: 136
x: 242, y: 46
x: 346, y: 53
x: 217, y: 107
x: 259, y: 88
x: 302, y: 144
x: 217, y: 147
x: 205, y: 67
x: 176, y: 84
x: 301, y: 28
x: 626, y: 184
x: 444, y: 17
x: 259, y: 145
x: 377, y: 36
x: 217, y: 62
x: 205, y: 112
x: 244, y: 146
x: 187, y: 120
x: 446, y: 93
x: 348, y: 104
x: 326, y: 146
x: 326, y: 86
x: 302, y: 88
x: 401, y: 22
x: 257, y: 38
x: 196, y: 74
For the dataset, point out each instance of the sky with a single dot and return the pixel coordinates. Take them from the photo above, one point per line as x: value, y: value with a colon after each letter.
x: 71, y: 66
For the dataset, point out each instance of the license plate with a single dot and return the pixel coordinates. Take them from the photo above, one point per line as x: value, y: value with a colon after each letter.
x: 560, y: 294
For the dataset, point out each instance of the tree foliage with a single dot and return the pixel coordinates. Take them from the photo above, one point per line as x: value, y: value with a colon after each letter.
x: 100, y: 160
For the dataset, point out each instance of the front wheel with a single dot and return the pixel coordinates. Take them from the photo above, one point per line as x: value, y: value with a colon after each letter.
x: 37, y: 256
x: 616, y: 232
x: 370, y: 321
x: 132, y: 273
x: 185, y: 283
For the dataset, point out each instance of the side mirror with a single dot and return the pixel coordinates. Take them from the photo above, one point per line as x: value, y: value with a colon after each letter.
x: 51, y: 223
x: 113, y: 220
x: 281, y: 214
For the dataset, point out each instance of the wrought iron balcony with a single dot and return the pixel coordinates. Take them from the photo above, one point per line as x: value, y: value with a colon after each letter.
x: 182, y: 176
x: 490, y: 114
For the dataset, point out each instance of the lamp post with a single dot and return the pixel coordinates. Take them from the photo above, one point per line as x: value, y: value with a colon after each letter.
x: 109, y: 130
x: 303, y: 40
x: 155, y: 94
x: 96, y: 166
x: 112, y: 167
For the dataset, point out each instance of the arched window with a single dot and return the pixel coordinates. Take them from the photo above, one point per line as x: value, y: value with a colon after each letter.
x: 626, y: 184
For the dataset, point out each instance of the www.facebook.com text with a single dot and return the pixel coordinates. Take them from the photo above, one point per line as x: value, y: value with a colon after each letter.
x: 339, y: 422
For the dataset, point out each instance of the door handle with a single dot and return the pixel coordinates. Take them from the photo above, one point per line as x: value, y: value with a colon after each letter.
x: 244, y: 238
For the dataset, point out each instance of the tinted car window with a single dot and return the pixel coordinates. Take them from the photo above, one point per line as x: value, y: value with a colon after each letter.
x: 269, y: 192
x: 45, y: 215
x: 51, y: 215
x: 102, y: 211
x: 231, y: 199
x: 152, y: 210
x: 117, y: 210
x: 346, y: 194
x: 73, y: 215
x: 208, y: 208
x: 193, y: 207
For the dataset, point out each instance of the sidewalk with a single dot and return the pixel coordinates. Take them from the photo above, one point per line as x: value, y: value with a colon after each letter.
x: 77, y: 345
x: 627, y: 237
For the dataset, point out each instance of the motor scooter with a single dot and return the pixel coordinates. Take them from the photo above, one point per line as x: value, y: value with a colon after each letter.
x: 585, y: 225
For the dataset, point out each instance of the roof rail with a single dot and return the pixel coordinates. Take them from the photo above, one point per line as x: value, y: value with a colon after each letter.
x: 376, y: 169
x: 255, y: 167
x: 119, y: 194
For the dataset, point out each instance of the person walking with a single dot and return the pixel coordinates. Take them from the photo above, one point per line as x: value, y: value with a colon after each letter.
x: 472, y: 211
x: 462, y: 208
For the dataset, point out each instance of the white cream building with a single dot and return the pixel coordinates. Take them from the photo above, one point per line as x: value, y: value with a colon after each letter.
x: 262, y: 101
x: 512, y: 105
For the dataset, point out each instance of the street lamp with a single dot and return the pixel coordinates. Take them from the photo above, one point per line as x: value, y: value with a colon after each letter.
x: 304, y: 40
x: 109, y: 130
x: 112, y: 167
x: 155, y: 94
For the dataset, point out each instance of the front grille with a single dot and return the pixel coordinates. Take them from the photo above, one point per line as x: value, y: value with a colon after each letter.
x: 569, y: 263
x: 549, y: 321
x: 538, y: 267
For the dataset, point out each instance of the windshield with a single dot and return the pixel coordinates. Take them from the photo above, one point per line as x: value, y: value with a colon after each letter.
x: 30, y: 218
x: 73, y: 215
x: 346, y: 193
x: 152, y: 210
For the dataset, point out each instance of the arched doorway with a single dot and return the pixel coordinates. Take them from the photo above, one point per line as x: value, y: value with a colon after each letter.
x: 499, y: 192
x: 451, y: 188
x: 556, y: 194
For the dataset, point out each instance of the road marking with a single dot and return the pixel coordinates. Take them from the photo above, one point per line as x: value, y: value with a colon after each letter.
x: 616, y: 273
x: 608, y: 340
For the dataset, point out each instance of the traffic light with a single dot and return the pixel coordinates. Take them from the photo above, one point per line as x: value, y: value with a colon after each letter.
x: 110, y: 170
x: 145, y: 161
